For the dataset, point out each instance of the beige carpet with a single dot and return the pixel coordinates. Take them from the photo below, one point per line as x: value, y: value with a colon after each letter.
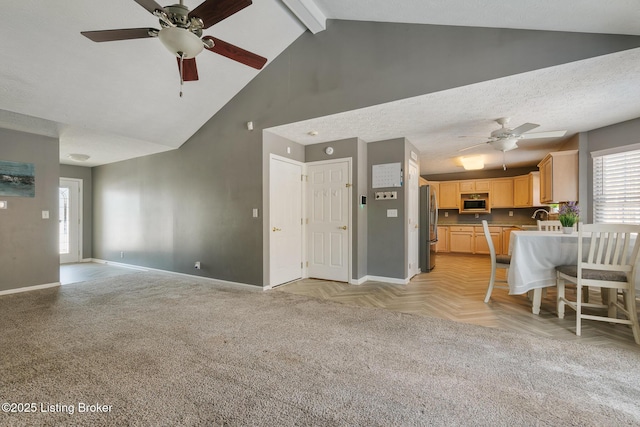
x: 162, y: 350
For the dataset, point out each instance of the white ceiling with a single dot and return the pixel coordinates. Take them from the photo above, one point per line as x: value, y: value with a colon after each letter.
x: 120, y: 100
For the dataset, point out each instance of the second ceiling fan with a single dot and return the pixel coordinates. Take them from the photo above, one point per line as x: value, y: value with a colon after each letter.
x: 181, y: 33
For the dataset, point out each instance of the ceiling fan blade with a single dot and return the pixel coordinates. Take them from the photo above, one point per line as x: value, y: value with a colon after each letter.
x: 524, y: 128
x: 237, y: 54
x: 190, y: 70
x: 473, y: 146
x: 552, y: 134
x: 214, y: 11
x: 150, y: 5
x: 122, y: 34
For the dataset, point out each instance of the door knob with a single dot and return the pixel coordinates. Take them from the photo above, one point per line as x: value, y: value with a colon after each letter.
x: 276, y: 229
x: 344, y: 227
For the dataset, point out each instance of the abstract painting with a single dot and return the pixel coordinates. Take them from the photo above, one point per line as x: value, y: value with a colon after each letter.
x: 17, y: 179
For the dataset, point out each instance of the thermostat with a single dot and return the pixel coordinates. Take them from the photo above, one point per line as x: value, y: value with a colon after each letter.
x: 363, y: 199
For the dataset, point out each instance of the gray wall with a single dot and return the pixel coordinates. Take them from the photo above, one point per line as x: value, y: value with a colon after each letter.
x: 83, y: 173
x: 29, y: 252
x: 195, y: 203
x: 386, y: 236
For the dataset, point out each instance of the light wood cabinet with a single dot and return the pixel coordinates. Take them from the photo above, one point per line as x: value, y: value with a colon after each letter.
x: 526, y: 190
x: 502, y: 193
x: 470, y: 186
x: 461, y: 239
x: 506, y: 238
x: 443, y: 239
x: 559, y: 177
x: 480, y: 241
x: 449, y: 197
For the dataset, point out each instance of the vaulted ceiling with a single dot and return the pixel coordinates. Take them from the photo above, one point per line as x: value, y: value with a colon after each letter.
x: 120, y: 100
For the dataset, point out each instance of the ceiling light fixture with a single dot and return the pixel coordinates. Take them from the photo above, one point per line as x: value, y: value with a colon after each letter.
x: 79, y: 157
x: 472, y: 163
x: 505, y: 144
x: 313, y: 132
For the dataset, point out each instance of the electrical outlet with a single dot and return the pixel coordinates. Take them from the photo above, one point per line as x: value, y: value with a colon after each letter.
x: 121, y: 254
x: 477, y: 215
x: 446, y: 214
x: 510, y: 213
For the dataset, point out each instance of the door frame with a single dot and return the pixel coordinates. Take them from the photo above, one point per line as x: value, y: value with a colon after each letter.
x: 80, y: 218
x: 416, y: 206
x: 349, y: 161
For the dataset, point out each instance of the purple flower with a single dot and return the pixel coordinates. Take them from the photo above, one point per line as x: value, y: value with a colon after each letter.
x: 569, y: 214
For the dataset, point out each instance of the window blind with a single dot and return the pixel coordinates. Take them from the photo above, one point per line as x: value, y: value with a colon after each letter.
x: 616, y: 188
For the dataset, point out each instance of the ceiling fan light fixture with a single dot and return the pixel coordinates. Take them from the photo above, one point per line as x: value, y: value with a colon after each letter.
x: 471, y: 163
x: 181, y: 42
x: 504, y: 144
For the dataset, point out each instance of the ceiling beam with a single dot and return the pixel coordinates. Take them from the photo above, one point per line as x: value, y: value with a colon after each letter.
x: 308, y: 13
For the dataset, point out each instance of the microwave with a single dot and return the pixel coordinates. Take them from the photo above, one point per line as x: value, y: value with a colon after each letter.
x: 474, y: 205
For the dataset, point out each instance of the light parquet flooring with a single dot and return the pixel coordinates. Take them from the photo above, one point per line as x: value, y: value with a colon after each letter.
x: 455, y: 290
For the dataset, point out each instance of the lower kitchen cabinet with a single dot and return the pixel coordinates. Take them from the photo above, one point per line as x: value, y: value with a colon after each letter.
x: 469, y: 239
x: 443, y: 239
x: 461, y: 239
x: 481, y: 245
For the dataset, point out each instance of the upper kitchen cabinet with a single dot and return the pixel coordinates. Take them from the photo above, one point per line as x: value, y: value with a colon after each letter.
x: 559, y: 177
x: 449, y: 197
x: 470, y: 186
x: 526, y: 190
x: 502, y: 193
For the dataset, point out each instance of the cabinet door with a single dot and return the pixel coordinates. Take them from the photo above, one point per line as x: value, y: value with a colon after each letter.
x: 467, y: 186
x: 502, y: 193
x: 481, y: 245
x: 461, y: 239
x: 443, y: 239
x: 483, y: 186
x: 521, y: 192
x: 546, y: 180
x: 449, y: 197
x: 506, y: 239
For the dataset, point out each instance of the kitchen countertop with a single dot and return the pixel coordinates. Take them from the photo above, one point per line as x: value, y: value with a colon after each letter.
x: 491, y: 224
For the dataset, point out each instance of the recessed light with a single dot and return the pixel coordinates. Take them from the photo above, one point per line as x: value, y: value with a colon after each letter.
x: 79, y: 157
x: 313, y: 132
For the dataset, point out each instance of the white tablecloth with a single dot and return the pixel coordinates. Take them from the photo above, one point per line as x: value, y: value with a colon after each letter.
x: 535, y: 256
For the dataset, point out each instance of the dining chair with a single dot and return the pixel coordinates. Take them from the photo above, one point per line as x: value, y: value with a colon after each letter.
x: 497, y: 261
x: 549, y: 225
x: 607, y: 259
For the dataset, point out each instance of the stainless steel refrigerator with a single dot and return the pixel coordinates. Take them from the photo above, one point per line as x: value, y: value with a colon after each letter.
x: 428, y: 228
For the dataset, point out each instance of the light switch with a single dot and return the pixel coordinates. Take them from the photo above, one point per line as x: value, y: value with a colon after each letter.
x: 255, y: 212
x: 45, y: 214
x: 3, y: 204
x: 392, y: 213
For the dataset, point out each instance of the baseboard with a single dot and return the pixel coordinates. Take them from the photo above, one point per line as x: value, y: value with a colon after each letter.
x: 174, y: 273
x: 393, y: 280
x: 30, y: 288
x: 359, y: 281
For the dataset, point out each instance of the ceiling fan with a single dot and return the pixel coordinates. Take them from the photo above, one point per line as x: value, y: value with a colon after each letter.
x: 181, y: 33
x: 506, y: 139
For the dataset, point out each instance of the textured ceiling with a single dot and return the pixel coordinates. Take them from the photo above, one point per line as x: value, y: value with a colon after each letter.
x: 120, y: 100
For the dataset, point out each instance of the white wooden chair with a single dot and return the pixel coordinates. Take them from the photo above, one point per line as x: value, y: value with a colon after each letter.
x: 497, y: 261
x: 550, y: 225
x: 609, y: 263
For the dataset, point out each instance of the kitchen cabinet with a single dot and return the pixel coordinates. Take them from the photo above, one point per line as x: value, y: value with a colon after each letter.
x: 449, y: 197
x: 443, y: 239
x: 461, y: 239
x: 480, y: 241
x: 526, y: 190
x: 471, y: 186
x: 502, y: 193
x: 559, y: 177
x: 506, y: 238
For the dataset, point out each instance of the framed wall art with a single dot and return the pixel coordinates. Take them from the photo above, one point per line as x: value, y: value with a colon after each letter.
x: 17, y: 179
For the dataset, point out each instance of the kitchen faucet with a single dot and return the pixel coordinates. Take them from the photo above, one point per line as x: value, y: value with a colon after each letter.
x: 540, y: 210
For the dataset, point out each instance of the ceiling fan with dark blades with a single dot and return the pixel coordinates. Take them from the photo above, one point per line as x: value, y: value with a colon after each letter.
x: 506, y: 139
x: 181, y: 33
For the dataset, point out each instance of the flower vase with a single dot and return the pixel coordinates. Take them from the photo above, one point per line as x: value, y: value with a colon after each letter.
x: 567, y: 230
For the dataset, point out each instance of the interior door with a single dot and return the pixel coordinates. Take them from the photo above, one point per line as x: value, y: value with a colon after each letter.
x: 329, y: 210
x: 69, y: 220
x: 413, y: 219
x: 285, y: 216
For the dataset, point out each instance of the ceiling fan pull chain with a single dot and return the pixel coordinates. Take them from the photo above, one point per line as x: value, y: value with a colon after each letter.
x: 181, y: 72
x: 504, y: 161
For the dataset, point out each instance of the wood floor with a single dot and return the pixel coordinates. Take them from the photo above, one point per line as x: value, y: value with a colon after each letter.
x: 455, y: 290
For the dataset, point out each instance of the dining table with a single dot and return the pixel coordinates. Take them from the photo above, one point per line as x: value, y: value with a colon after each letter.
x: 534, y: 258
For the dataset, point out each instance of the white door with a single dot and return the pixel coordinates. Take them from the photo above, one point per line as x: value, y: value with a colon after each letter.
x: 328, y: 208
x: 69, y: 219
x: 413, y: 210
x: 285, y: 216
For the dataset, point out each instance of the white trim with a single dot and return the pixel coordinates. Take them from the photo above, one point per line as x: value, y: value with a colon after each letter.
x: 388, y: 280
x: 174, y: 273
x: 30, y: 288
x: 615, y: 150
x: 359, y: 281
x: 80, y: 183
x: 308, y: 13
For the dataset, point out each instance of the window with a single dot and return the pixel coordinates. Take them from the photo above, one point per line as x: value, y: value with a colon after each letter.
x: 616, y: 186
